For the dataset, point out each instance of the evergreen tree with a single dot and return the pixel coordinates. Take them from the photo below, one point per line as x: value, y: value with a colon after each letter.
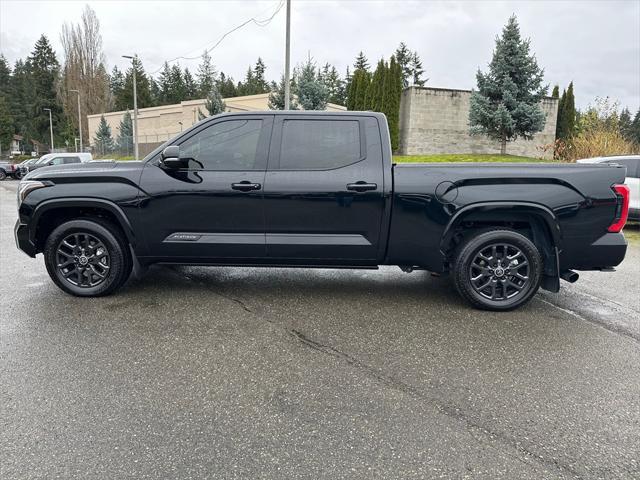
x: 22, y: 89
x: 124, y: 142
x: 226, y: 86
x: 276, y: 97
x: 624, y: 124
x: 634, y: 133
x: 416, y: 70
x: 190, y: 86
x: 507, y: 103
x: 361, y: 62
x: 393, y: 91
x: 6, y: 124
x: 177, y: 90
x: 559, y: 117
x: 5, y: 76
x: 206, y: 75
x: 312, y: 93
x: 260, y: 84
x: 404, y: 58
x: 215, y: 104
x: 376, y: 92
x: 102, y: 138
x: 556, y: 92
x: 44, y: 70
x: 116, y: 84
x: 357, y: 95
x: 567, y: 120
x: 164, y: 85
x: 143, y: 87
x: 335, y: 85
x: 6, y: 118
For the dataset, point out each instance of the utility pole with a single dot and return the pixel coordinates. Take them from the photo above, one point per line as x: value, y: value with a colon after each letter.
x: 79, y: 118
x: 50, y: 126
x: 135, y: 106
x: 287, y: 60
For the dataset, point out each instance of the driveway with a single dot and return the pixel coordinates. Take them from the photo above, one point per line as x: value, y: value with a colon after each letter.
x: 275, y: 373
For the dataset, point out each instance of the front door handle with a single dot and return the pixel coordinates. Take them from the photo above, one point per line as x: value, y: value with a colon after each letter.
x: 361, y: 186
x: 246, y: 186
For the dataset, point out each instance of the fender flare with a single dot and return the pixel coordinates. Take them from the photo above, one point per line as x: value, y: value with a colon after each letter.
x: 547, y: 215
x: 100, y: 203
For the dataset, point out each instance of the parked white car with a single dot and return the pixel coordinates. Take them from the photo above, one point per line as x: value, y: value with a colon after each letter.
x: 56, y: 159
x: 632, y: 162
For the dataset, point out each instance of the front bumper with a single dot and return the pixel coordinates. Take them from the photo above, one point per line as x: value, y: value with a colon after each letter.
x: 21, y: 234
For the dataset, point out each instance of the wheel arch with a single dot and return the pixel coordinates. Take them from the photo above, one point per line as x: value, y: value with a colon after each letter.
x: 539, y: 222
x: 51, y: 213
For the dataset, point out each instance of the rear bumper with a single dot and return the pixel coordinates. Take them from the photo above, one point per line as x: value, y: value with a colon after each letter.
x: 607, y: 251
x: 21, y: 234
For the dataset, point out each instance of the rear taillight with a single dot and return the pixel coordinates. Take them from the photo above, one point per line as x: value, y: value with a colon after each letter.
x: 622, y: 208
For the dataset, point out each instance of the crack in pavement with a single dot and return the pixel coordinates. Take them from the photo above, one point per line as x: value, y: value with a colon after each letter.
x: 610, y: 327
x: 449, y: 410
x: 487, y: 435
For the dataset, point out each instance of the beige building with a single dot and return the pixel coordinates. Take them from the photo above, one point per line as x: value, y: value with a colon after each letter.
x: 158, y: 124
x: 436, y: 120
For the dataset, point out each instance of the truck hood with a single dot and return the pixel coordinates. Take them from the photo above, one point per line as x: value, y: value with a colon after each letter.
x: 72, y: 170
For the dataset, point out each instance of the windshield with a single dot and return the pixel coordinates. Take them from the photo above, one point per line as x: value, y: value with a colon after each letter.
x: 42, y: 159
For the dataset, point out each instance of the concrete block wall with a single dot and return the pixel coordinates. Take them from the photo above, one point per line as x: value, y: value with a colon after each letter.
x: 436, y: 120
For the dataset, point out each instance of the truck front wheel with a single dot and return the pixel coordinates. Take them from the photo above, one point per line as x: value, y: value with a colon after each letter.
x: 498, y: 270
x: 87, y: 257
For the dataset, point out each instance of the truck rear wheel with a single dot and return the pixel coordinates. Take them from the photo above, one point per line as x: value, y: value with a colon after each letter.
x: 498, y: 270
x: 87, y: 257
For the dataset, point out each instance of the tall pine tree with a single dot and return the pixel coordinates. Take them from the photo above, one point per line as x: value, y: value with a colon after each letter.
x: 312, y: 93
x: 567, y: 115
x: 393, y: 92
x: 507, y: 103
x: 124, y: 141
x: 44, y: 69
x: 103, y: 140
x: 206, y: 75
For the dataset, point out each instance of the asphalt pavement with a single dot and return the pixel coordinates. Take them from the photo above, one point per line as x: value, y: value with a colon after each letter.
x: 292, y: 373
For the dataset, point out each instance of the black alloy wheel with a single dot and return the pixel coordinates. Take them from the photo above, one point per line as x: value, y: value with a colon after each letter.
x: 498, y: 269
x: 88, y: 257
x: 82, y: 260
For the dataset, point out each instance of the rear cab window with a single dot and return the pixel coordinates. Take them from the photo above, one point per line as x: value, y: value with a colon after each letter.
x: 320, y: 144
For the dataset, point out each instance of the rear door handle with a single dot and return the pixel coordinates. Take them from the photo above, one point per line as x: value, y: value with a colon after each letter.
x: 361, y: 186
x: 246, y: 186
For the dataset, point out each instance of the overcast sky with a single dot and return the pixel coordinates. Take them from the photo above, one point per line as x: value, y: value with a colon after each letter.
x: 594, y: 43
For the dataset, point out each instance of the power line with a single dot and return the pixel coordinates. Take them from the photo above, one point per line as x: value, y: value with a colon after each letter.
x: 259, y: 23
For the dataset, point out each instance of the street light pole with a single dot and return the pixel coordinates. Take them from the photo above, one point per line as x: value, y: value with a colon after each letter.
x: 135, y: 106
x: 287, y: 87
x: 50, y: 125
x: 79, y: 119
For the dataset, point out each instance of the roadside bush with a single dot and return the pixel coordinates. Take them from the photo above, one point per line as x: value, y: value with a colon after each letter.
x: 598, y: 134
x: 599, y: 142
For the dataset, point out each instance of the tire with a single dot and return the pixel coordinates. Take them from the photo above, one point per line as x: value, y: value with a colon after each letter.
x: 3, y: 175
x: 498, y: 270
x: 101, y: 268
x: 17, y: 175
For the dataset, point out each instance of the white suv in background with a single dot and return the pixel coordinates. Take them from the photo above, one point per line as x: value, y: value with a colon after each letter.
x: 632, y: 162
x: 56, y: 159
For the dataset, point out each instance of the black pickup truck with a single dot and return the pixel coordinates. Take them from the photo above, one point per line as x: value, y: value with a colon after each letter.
x: 318, y: 189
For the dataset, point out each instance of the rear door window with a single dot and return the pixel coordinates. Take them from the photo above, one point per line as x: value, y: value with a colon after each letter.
x: 319, y: 144
x: 71, y: 160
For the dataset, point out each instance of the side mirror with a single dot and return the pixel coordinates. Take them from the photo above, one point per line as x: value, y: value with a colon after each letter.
x: 171, y: 157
